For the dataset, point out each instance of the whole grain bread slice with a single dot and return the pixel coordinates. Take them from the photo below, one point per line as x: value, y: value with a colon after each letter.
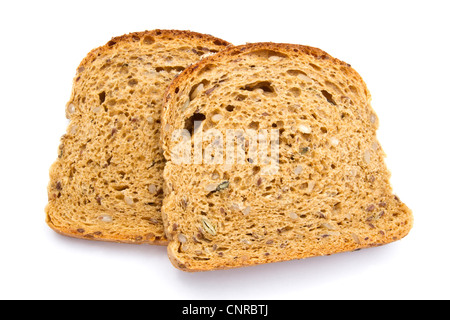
x: 106, y: 183
x: 327, y: 191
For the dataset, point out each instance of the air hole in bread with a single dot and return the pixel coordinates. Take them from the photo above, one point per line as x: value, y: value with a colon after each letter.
x: 120, y: 196
x: 315, y: 67
x: 264, y: 53
x: 132, y: 82
x: 278, y: 124
x: 206, y: 68
x: 230, y: 108
x: 192, y: 123
x: 295, y: 91
x: 102, y: 96
x: 329, y: 97
x: 337, y: 207
x: 296, y: 73
x: 220, y: 42
x: 333, y: 86
x: 200, y: 50
x: 148, y: 40
x: 266, y: 86
x: 353, y: 89
x: 169, y: 69
x: 254, y: 125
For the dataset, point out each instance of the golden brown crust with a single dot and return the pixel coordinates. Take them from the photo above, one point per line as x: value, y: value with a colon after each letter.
x: 76, y: 234
x: 183, y: 267
x: 157, y: 33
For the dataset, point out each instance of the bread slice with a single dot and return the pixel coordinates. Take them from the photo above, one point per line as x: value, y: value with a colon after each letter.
x: 107, y: 181
x: 327, y: 190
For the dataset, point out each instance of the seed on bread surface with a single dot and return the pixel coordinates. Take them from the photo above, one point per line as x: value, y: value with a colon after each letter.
x: 208, y: 226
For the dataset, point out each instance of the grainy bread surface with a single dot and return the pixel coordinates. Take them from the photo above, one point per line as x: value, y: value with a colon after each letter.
x: 107, y: 181
x: 331, y: 191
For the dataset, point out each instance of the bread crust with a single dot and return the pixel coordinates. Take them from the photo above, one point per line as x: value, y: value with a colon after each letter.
x: 75, y: 234
x: 153, y: 35
x: 180, y: 265
x: 158, y: 33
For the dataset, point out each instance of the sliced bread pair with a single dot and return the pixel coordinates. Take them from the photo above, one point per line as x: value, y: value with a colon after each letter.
x: 106, y: 183
x: 323, y: 186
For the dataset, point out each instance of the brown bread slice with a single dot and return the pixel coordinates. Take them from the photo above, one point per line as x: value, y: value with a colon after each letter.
x: 331, y: 192
x: 107, y: 181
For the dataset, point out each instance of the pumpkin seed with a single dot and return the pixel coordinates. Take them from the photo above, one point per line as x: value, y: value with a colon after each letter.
x: 223, y: 186
x: 304, y: 150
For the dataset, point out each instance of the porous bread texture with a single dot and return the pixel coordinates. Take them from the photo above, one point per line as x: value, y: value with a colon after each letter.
x: 331, y: 192
x: 107, y: 181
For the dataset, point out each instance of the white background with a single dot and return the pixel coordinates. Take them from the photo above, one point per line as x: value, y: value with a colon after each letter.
x: 400, y: 48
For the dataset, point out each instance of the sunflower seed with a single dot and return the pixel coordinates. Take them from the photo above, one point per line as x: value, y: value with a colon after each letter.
x: 182, y: 238
x: 208, y: 226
